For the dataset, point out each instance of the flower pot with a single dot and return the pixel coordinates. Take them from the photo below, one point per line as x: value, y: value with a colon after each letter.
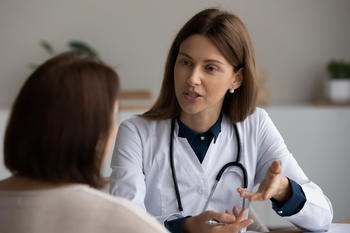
x: 339, y: 90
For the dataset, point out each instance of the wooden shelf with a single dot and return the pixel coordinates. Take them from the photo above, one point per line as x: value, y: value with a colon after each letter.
x: 134, y: 107
x: 135, y: 99
x: 135, y: 94
x: 332, y: 103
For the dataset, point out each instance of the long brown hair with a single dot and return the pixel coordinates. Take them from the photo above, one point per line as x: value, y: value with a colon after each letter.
x: 63, y: 111
x: 230, y: 36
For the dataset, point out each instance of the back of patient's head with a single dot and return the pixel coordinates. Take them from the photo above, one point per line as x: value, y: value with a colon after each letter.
x: 63, y: 111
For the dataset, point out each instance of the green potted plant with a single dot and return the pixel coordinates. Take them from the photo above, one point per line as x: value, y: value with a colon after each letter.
x: 339, y: 80
x: 78, y: 47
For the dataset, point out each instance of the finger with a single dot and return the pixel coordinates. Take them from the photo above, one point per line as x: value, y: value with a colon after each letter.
x: 228, y: 212
x: 275, y: 168
x: 235, y: 211
x: 268, y: 194
x: 244, y: 224
x: 222, y: 217
x: 251, y: 196
x: 244, y: 193
x: 241, y: 215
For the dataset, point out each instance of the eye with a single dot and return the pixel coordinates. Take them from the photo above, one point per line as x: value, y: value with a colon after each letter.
x: 185, y: 62
x: 211, y: 68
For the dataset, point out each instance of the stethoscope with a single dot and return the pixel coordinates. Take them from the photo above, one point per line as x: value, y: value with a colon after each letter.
x: 219, y: 175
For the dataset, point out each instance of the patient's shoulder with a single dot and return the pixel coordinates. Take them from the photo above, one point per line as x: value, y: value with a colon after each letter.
x: 119, y: 212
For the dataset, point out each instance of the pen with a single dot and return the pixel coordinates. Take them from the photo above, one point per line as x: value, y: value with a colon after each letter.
x: 214, y: 222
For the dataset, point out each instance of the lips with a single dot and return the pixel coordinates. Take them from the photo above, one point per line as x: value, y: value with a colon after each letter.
x: 192, y: 96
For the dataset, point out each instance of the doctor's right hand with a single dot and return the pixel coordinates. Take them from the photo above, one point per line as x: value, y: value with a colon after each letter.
x: 232, y: 222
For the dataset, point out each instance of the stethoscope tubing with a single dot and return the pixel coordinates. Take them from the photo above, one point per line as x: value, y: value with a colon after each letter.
x: 177, y: 192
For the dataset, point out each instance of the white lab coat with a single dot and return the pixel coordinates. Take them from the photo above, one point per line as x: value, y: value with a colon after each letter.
x: 141, y: 169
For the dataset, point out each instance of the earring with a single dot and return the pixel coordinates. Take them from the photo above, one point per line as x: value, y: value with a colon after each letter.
x: 232, y: 90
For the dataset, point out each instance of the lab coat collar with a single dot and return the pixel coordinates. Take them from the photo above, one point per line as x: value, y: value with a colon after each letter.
x: 190, y: 134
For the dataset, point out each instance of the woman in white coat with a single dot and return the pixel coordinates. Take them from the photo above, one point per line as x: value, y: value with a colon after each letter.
x: 168, y: 159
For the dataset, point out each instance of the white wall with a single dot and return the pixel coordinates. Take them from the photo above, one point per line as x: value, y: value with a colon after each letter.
x: 3, y: 120
x: 293, y: 38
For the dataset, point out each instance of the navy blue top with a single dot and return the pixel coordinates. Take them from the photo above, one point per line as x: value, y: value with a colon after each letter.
x: 200, y: 143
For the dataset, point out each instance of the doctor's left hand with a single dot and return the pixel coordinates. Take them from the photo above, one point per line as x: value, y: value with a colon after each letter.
x: 275, y: 185
x: 232, y: 222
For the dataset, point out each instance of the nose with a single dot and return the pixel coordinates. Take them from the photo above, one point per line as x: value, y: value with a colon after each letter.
x: 194, y: 77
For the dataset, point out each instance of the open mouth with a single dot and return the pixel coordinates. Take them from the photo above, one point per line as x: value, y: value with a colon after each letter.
x: 192, y: 96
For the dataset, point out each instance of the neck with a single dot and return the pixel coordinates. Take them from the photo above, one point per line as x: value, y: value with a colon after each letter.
x: 199, y: 123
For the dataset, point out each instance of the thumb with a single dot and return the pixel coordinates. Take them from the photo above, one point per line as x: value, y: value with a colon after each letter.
x: 275, y: 168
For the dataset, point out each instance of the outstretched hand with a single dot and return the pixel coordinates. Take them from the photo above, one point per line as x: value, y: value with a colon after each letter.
x: 232, y: 222
x: 275, y: 185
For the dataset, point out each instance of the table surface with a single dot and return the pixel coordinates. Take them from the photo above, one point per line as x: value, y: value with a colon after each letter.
x: 295, y: 229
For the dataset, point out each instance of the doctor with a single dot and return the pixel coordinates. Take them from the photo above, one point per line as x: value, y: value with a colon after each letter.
x: 204, y: 145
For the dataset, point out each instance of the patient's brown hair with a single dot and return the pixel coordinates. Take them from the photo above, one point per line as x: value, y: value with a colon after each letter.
x: 63, y: 111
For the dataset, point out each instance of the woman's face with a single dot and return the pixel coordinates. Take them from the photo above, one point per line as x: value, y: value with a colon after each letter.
x: 202, y: 77
x: 113, y: 132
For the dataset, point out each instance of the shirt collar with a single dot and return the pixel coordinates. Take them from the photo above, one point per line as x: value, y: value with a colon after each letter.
x: 216, y: 128
x: 190, y: 134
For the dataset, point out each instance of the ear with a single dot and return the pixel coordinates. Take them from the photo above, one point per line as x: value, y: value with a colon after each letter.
x: 237, y: 79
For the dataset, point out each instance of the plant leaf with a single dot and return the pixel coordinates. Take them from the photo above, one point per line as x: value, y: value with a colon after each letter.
x: 47, y: 46
x: 83, y: 49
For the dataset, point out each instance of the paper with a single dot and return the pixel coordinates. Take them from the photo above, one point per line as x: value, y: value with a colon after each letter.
x: 334, y: 228
x: 338, y: 228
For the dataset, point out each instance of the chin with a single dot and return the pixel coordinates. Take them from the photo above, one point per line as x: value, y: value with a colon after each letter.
x: 190, y: 111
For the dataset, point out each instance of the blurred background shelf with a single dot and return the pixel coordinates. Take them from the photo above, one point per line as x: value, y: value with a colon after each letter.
x: 135, y: 94
x: 332, y: 103
x: 135, y: 100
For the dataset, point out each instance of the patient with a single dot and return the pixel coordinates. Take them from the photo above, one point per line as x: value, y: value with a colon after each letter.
x: 62, y: 126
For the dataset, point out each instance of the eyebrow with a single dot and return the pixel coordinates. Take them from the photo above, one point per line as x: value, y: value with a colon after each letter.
x: 207, y: 60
